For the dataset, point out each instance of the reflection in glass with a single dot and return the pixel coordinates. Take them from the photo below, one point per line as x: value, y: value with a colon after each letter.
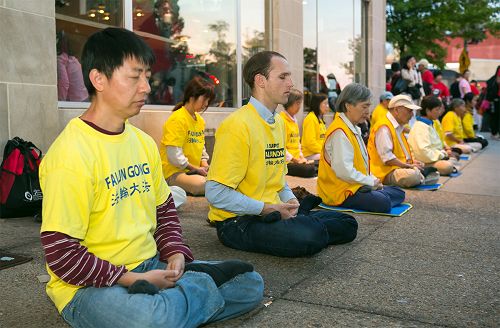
x: 75, y: 22
x: 333, y: 46
x: 254, y: 38
x: 189, y: 38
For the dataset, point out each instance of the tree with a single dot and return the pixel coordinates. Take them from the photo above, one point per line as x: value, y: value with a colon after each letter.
x: 415, y: 26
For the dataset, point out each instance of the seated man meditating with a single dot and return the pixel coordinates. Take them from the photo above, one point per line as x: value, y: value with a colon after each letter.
x: 110, y: 232
x: 391, y: 160
x: 252, y: 206
x: 344, y: 177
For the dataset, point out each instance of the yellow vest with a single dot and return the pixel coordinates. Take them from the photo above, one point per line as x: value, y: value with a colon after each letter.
x: 292, y: 135
x: 468, y: 125
x: 332, y: 190
x: 249, y: 156
x: 182, y: 130
x: 377, y: 166
x: 313, y: 135
x: 452, y: 123
x: 379, y: 112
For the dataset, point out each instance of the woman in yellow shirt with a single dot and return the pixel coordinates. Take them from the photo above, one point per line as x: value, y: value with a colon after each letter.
x: 183, y: 154
x: 453, y: 128
x: 314, y: 128
x: 296, y: 163
x: 468, y: 120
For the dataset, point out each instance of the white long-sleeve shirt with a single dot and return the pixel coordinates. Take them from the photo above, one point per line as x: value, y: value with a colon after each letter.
x: 425, y: 143
x: 340, y: 154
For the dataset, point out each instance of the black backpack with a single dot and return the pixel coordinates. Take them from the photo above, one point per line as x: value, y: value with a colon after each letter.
x: 20, y: 192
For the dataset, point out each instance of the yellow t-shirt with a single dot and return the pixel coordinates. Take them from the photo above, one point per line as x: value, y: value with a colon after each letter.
x: 379, y: 112
x: 333, y: 190
x: 313, y: 135
x: 468, y: 125
x: 292, y: 135
x: 102, y: 190
x: 452, y: 123
x: 182, y: 130
x: 249, y: 156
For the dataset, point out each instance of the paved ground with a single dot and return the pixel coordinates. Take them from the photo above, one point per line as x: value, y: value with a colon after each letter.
x: 437, y: 266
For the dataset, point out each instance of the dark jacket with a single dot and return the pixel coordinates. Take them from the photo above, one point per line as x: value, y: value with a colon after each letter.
x: 492, y: 87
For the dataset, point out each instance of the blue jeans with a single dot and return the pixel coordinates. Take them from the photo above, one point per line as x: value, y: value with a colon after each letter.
x: 193, y: 301
x: 379, y: 201
x: 303, y: 235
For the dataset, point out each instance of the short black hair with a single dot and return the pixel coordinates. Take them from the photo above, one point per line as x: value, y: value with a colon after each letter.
x: 437, y: 73
x: 468, y: 97
x: 260, y: 63
x: 428, y: 103
x: 106, y: 50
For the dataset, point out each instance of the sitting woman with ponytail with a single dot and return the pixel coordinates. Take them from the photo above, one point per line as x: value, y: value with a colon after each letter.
x: 183, y: 154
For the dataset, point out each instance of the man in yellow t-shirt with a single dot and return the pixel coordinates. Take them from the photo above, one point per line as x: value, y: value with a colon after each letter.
x: 110, y: 231
x: 250, y: 203
x: 382, y: 108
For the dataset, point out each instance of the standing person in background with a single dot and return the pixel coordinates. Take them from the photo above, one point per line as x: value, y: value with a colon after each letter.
x: 427, y: 76
x: 439, y: 89
x: 395, y: 74
x: 424, y: 140
x: 463, y: 83
x: 183, y: 154
x: 453, y: 128
x: 110, y: 232
x: 493, y: 97
x: 314, y: 128
x: 296, y: 163
x: 413, y: 79
x: 468, y: 120
x: 250, y: 202
x: 344, y: 177
x: 382, y: 107
x: 390, y: 156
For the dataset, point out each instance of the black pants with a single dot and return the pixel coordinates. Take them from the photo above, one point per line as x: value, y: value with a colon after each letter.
x: 302, y: 170
x: 482, y: 141
x: 495, y: 117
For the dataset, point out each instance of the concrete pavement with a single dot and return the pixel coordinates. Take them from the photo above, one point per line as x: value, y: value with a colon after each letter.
x: 437, y: 266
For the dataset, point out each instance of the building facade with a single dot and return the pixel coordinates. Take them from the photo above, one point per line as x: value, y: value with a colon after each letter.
x: 41, y: 88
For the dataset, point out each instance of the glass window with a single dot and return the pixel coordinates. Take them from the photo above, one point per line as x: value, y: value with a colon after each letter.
x: 333, y: 46
x: 340, y: 41
x: 75, y: 22
x: 310, y: 37
x: 254, y: 38
x: 189, y: 38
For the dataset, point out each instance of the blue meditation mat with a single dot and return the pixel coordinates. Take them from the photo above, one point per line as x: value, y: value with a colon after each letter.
x: 456, y: 174
x: 431, y: 187
x: 398, y: 210
x: 465, y: 157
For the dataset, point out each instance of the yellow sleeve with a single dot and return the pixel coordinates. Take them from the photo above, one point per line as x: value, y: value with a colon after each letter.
x: 68, y: 199
x: 174, y: 131
x: 160, y: 185
x: 231, y: 152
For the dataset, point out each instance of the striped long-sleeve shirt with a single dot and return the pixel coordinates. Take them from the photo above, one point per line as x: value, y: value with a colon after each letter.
x: 74, y: 264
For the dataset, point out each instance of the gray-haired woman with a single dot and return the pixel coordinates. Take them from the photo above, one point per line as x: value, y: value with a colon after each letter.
x: 344, y: 177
